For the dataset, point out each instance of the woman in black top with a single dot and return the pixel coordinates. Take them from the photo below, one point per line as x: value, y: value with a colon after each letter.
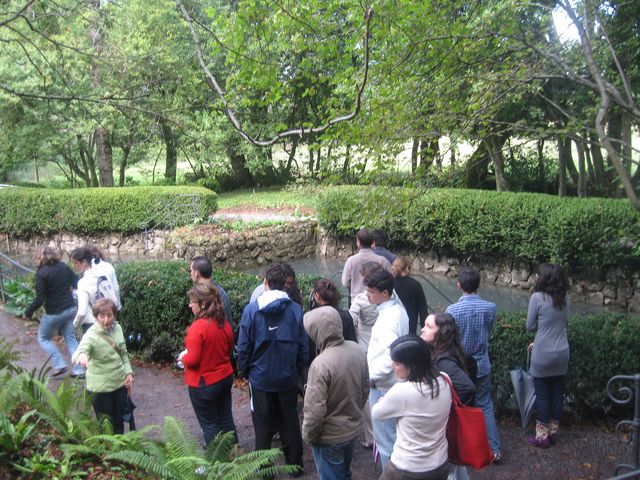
x: 410, y: 292
x: 54, y: 283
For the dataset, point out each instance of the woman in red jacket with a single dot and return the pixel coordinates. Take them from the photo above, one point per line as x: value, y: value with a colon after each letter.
x: 207, y: 362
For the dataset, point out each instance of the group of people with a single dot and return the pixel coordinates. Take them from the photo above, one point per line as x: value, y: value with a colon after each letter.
x: 372, y: 375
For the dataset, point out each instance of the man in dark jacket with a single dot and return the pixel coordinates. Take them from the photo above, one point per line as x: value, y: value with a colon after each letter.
x: 272, y: 351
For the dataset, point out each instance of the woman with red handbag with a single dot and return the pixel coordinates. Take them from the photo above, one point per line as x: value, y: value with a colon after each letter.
x: 441, y: 333
x: 421, y: 404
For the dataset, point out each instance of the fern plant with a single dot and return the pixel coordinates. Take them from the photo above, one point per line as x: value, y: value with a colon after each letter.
x: 13, y: 437
x: 181, y: 458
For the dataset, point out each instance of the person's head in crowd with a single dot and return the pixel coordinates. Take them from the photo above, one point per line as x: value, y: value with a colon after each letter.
x: 201, y: 269
x: 274, y: 277
x: 105, y: 312
x: 379, y: 238
x: 401, y: 267
x: 325, y: 293
x: 552, y: 281
x: 46, y: 256
x: 443, y: 336
x: 379, y: 285
x: 364, y: 239
x: 95, y: 252
x: 469, y: 280
x: 412, y: 361
x: 81, y: 259
x: 205, y: 302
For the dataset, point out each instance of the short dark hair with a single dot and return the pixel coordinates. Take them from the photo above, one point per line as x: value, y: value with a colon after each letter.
x: 380, y: 238
x: 47, y: 256
x: 380, y: 279
x: 203, y: 266
x: 367, y: 268
x: 275, y: 276
x: 364, y: 237
x: 288, y: 270
x: 469, y: 280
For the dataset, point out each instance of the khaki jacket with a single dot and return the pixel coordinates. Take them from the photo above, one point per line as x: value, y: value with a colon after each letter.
x: 338, y: 383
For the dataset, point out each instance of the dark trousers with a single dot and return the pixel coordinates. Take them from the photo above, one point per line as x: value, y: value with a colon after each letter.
x: 549, y: 397
x: 277, y: 410
x: 391, y: 472
x: 212, y: 406
x: 111, y: 405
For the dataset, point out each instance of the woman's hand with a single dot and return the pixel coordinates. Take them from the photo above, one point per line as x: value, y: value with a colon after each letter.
x: 128, y: 381
x: 182, y: 354
x: 530, y: 347
x: 82, y: 360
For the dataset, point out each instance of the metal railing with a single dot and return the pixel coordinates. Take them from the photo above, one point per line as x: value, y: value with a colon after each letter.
x: 11, y: 271
x: 180, y: 210
x: 625, y: 395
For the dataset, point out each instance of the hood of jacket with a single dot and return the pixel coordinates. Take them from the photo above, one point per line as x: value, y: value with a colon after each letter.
x: 324, y: 327
x: 273, y: 301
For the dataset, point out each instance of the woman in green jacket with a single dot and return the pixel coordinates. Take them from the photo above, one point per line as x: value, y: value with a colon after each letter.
x: 102, y: 351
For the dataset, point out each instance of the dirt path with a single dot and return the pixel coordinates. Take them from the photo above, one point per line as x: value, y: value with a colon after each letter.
x: 581, y: 453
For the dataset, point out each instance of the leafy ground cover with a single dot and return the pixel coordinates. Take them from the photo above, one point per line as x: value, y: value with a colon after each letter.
x: 292, y: 200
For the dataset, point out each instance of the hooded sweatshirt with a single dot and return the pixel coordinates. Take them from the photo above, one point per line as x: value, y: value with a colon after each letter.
x: 272, y: 344
x: 338, y: 383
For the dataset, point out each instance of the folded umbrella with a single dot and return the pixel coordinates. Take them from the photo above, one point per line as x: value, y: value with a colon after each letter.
x: 525, y: 392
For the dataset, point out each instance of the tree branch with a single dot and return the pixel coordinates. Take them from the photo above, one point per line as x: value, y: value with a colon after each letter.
x: 213, y: 83
x: 17, y: 14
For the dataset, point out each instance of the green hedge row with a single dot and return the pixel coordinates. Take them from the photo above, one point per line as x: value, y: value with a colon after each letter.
x: 155, y: 304
x: 591, y: 233
x: 602, y: 346
x: 27, y: 211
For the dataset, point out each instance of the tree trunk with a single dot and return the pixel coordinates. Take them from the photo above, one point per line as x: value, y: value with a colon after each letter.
x: 587, y: 159
x: 494, y: 148
x: 292, y: 156
x: 626, y: 149
x: 171, y: 153
x: 453, y: 146
x: 312, y: 162
x: 429, y: 150
x: 35, y: 164
x: 562, y: 166
x: 126, y: 150
x: 105, y: 156
x: 238, y: 163
x: 582, y: 177
x: 477, y: 167
x: 414, y: 154
x: 347, y: 162
x: 541, y: 169
x: 599, y: 172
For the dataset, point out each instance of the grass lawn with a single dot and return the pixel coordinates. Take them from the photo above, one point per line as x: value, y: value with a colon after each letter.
x: 292, y: 197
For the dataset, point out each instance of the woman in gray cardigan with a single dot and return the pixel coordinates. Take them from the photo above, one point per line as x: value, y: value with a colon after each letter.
x: 547, y: 316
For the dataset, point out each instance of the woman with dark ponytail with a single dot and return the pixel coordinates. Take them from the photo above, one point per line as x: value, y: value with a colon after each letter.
x: 547, y: 316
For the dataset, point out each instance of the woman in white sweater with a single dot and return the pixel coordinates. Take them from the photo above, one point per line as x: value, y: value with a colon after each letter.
x: 81, y: 259
x: 421, y: 403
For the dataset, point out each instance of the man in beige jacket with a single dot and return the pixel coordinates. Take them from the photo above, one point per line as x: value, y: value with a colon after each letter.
x: 337, y: 390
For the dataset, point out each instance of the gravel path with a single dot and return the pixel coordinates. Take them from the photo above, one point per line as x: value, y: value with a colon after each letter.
x: 582, y: 452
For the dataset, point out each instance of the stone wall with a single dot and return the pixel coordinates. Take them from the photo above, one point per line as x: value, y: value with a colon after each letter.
x: 614, y: 288
x: 233, y: 250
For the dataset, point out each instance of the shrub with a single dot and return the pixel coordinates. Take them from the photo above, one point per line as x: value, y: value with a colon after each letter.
x: 577, y: 233
x: 601, y: 346
x: 155, y: 307
x: 91, y: 210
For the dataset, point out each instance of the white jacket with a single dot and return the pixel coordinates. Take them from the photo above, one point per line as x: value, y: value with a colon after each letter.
x: 106, y: 269
x: 87, y: 288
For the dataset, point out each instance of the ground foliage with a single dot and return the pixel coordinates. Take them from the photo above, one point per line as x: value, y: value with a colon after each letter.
x: 576, y: 233
x: 25, y: 212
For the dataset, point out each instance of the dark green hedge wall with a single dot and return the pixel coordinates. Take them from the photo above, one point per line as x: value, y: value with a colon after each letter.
x: 26, y: 211
x: 155, y: 304
x: 601, y: 346
x: 590, y: 233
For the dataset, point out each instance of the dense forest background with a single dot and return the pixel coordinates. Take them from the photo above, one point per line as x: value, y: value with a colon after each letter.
x: 500, y: 94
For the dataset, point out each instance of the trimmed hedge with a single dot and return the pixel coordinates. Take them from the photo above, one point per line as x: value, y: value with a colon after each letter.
x: 27, y: 211
x: 155, y: 304
x: 589, y: 233
x: 601, y: 346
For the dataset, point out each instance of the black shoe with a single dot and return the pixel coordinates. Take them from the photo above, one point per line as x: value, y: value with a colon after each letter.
x: 497, y: 458
x: 77, y: 375
x: 59, y: 372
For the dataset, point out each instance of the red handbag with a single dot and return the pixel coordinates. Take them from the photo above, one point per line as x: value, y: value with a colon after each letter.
x: 467, y: 434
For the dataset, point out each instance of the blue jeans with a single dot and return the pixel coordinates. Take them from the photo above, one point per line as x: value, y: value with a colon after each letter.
x: 50, y: 325
x: 212, y: 406
x: 333, y: 462
x: 549, y: 397
x: 485, y: 402
x: 384, y: 431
